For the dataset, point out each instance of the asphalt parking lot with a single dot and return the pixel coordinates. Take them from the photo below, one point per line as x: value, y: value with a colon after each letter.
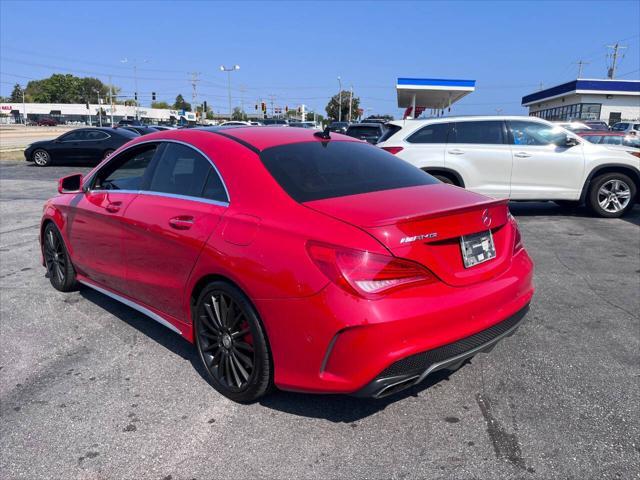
x: 90, y: 389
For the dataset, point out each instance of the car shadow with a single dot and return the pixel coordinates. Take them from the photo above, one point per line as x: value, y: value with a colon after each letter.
x: 550, y: 209
x: 335, y: 408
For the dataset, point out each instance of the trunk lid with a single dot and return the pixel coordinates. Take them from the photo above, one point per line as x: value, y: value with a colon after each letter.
x: 425, y: 223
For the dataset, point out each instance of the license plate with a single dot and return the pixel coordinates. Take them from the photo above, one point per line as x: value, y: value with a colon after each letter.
x: 477, y: 248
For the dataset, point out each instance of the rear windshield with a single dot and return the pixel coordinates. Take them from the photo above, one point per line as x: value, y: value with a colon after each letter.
x: 390, y: 131
x: 318, y: 170
x: 357, y: 131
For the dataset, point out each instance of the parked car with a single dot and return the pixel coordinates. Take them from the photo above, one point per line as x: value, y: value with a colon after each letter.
x: 375, y: 120
x: 573, y: 126
x: 519, y: 158
x: 47, y: 122
x: 303, y: 125
x: 128, y: 121
x: 275, y: 121
x: 360, y: 275
x: 162, y: 128
x: 338, y: 127
x: 596, y: 124
x: 610, y: 138
x: 630, y: 128
x: 369, y: 132
x: 141, y: 129
x: 80, y: 145
x: 236, y: 123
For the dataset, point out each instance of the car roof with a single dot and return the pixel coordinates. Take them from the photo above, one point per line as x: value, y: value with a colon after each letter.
x: 462, y: 118
x: 260, y: 138
x: 369, y: 124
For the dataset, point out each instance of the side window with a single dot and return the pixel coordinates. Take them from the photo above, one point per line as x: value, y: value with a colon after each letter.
x: 435, y: 133
x: 533, y: 133
x: 73, y: 136
x: 183, y: 171
x: 95, y: 135
x: 126, y: 171
x: 619, y: 127
x: 489, y: 132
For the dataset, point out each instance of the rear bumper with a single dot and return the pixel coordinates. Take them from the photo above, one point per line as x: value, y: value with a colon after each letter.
x: 414, y: 369
x: 333, y: 342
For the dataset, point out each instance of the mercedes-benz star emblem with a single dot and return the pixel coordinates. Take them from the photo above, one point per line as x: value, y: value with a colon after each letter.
x: 486, y: 218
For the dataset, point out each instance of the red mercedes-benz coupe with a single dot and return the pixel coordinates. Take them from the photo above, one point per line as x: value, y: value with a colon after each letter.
x: 310, y: 261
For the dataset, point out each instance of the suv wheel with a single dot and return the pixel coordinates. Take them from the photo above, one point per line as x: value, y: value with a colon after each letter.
x: 232, y: 344
x: 611, y: 194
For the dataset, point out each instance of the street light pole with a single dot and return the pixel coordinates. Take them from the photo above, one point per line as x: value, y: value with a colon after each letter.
x: 135, y: 80
x: 350, y: 101
x: 340, y: 99
x: 229, y: 70
x: 24, y: 108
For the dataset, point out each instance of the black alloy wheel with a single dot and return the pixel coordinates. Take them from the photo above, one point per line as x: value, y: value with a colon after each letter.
x: 232, y: 344
x: 59, y: 268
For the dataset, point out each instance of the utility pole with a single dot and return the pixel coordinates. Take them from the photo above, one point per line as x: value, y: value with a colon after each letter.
x: 350, y: 101
x: 340, y: 99
x: 24, y: 107
x: 541, y: 86
x: 111, y: 99
x: 135, y: 79
x: 194, y: 91
x: 581, y: 64
x: 99, y: 108
x: 242, y: 89
x: 272, y: 99
x: 614, y: 56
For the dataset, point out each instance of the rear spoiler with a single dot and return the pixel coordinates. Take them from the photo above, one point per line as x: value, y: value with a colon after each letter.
x: 441, y: 213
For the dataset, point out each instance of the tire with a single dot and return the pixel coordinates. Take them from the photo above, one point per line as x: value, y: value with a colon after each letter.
x: 107, y: 153
x: 445, y: 179
x: 232, y: 343
x: 611, y: 195
x: 59, y: 267
x: 41, y: 158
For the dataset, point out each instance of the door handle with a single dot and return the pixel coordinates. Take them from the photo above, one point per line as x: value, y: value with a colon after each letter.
x: 181, y: 223
x: 113, y: 207
x: 522, y: 155
x: 456, y: 151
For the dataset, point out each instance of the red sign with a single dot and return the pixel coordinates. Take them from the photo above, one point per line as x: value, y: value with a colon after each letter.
x: 6, y: 107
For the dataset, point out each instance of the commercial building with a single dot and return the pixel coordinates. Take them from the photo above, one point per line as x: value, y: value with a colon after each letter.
x: 584, y: 99
x: 78, y: 113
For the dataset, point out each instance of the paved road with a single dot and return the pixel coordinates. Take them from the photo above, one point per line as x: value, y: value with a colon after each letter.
x: 90, y: 389
x: 18, y: 137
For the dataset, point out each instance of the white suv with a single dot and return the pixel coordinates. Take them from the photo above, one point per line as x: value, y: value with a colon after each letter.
x: 632, y: 128
x: 520, y: 158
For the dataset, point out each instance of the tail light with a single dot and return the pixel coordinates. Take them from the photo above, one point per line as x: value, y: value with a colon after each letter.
x: 393, y: 150
x: 364, y: 273
x: 637, y: 154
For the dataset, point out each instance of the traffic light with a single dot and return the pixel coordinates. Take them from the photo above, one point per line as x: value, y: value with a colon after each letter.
x: 299, y: 109
x: 135, y: 96
x: 286, y: 109
x: 204, y: 106
x: 256, y: 106
x: 153, y: 96
x: 264, y: 107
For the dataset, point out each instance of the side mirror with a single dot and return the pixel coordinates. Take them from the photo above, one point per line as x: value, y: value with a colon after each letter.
x: 570, y: 142
x: 70, y: 184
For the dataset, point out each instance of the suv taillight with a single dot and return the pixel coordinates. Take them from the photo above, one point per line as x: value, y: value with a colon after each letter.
x: 393, y: 150
x: 364, y: 273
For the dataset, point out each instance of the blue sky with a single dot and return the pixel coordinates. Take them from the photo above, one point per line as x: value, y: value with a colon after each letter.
x: 296, y: 50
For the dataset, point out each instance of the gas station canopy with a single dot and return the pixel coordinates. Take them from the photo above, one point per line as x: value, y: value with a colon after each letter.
x: 433, y: 93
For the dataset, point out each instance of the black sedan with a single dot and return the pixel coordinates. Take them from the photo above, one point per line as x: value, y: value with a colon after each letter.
x: 141, y: 129
x: 84, y: 145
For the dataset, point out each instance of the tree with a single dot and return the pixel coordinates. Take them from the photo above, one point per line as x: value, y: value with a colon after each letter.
x: 16, y: 93
x: 238, y: 114
x: 333, y: 107
x: 160, y: 105
x: 181, y: 104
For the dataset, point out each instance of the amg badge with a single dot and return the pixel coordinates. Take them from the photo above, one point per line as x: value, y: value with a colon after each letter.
x: 418, y: 237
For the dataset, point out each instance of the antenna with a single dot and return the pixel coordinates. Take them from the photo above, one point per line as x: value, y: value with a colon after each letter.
x: 581, y: 64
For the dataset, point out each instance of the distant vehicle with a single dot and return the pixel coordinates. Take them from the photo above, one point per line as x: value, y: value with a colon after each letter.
x: 607, y: 137
x: 47, y: 122
x: 162, y: 127
x: 573, y: 126
x: 126, y: 121
x: 236, y: 123
x: 303, y: 124
x: 596, y: 124
x: 374, y: 120
x: 631, y: 128
x: 141, y: 129
x: 338, y: 127
x: 256, y: 124
x: 81, y: 145
x: 520, y: 158
x: 275, y: 121
x: 369, y: 132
